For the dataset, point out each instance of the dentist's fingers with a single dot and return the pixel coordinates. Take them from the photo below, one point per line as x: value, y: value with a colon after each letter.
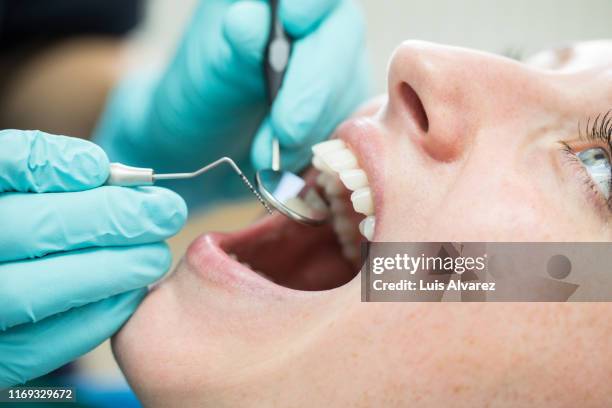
x: 34, y: 161
x: 37, y: 224
x: 36, y: 289
x: 208, y: 82
x: 245, y: 28
x: 300, y: 17
x: 246, y: 24
x: 326, y: 80
x: 296, y: 157
x: 326, y: 67
x: 31, y: 350
x: 292, y: 158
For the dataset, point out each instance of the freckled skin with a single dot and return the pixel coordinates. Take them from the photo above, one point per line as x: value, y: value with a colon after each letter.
x: 478, y: 173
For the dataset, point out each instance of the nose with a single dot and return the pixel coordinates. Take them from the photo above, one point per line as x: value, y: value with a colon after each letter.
x: 442, y: 94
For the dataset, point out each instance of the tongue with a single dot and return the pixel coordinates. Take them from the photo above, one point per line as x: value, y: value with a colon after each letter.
x: 293, y: 255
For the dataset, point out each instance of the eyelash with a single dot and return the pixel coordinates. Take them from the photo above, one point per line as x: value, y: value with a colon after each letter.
x: 600, y: 131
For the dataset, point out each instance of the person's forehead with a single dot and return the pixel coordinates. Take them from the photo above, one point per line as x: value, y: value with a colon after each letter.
x: 574, y: 57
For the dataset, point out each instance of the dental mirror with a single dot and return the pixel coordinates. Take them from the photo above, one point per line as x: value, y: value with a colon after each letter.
x: 283, y: 190
x: 289, y: 193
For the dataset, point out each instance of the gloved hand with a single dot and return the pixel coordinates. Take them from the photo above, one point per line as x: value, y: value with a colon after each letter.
x: 211, y: 99
x: 75, y: 258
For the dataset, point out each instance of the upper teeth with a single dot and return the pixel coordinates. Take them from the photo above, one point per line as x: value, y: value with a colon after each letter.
x: 339, y: 166
x: 328, y: 146
x: 339, y: 160
x: 362, y: 201
x: 354, y: 179
x: 366, y: 227
x: 331, y: 183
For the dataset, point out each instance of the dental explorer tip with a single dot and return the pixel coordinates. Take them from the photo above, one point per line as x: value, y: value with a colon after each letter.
x: 259, y: 197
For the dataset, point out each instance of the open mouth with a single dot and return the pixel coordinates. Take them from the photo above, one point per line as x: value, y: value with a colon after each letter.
x: 302, y: 257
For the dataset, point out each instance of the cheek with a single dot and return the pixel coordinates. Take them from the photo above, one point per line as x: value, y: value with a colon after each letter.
x: 473, y: 208
x: 507, y: 211
x: 510, y: 209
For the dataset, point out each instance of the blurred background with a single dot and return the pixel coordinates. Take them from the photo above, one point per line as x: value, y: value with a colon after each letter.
x: 503, y: 26
x: 52, y: 81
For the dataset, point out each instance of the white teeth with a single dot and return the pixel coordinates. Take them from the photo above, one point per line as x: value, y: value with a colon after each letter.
x: 296, y: 204
x: 314, y: 201
x: 340, y: 171
x: 328, y: 146
x: 318, y: 163
x: 334, y: 187
x: 354, y: 179
x: 345, y: 231
x: 346, y: 239
x: 366, y: 227
x: 330, y: 183
x: 350, y: 252
x: 362, y: 201
x: 338, y: 205
x: 233, y: 256
x: 342, y: 225
x: 321, y: 149
x: 339, y: 160
x: 322, y: 179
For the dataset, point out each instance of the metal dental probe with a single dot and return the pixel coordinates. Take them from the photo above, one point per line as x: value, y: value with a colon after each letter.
x: 128, y: 176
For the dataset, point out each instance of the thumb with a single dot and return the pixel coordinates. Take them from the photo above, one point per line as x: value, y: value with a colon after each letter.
x: 40, y: 162
x: 261, y: 150
x: 247, y: 23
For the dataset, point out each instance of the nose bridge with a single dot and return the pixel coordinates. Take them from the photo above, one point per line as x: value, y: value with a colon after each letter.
x: 459, y: 91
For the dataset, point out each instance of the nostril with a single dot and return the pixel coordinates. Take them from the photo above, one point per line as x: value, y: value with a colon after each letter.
x: 414, y: 106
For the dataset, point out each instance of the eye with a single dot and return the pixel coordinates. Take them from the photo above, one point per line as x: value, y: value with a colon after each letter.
x: 596, y: 162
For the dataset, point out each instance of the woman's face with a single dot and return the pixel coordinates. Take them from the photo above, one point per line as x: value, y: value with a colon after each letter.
x: 466, y: 146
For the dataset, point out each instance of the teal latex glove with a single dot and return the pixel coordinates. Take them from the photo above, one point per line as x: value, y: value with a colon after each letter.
x: 211, y: 99
x: 75, y: 258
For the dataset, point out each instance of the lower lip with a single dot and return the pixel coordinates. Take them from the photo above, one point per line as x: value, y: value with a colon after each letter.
x: 206, y: 257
